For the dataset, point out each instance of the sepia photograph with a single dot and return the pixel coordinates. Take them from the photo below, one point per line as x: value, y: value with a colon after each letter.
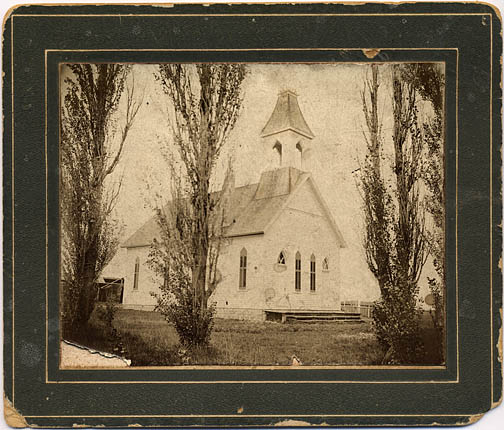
x: 252, y: 214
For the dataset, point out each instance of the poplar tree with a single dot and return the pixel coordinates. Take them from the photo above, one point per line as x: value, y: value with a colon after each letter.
x: 396, y: 239
x: 204, y: 102
x: 88, y: 130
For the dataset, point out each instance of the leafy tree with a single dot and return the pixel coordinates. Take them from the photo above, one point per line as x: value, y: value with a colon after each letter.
x: 378, y: 205
x: 395, y: 236
x: 204, y: 101
x: 428, y: 79
x: 88, y: 129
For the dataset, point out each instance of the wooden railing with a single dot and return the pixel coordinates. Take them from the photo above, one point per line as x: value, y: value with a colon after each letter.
x: 365, y: 309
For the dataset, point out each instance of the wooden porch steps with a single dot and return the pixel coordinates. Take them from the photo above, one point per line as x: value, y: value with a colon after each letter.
x: 313, y: 316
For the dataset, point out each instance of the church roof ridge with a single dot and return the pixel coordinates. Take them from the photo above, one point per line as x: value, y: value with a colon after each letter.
x: 287, y: 115
x: 248, y: 215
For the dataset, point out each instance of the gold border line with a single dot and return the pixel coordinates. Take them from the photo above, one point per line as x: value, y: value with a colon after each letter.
x: 456, y: 218
x: 445, y: 168
x: 185, y: 15
x: 47, y: 221
x: 292, y: 15
x: 259, y: 367
x: 255, y: 49
x: 315, y: 382
x: 13, y: 207
x: 491, y: 218
x: 248, y: 416
x: 265, y: 367
x: 182, y: 368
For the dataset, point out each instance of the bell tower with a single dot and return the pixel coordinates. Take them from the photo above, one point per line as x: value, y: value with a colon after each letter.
x: 286, y: 133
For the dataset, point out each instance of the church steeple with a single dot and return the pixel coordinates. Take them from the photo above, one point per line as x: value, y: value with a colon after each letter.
x: 286, y: 132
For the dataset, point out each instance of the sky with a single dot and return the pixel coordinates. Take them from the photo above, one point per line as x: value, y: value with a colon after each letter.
x: 329, y: 96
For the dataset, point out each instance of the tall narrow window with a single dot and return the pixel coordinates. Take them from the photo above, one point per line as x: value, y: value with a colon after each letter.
x: 312, y: 273
x: 278, y: 153
x: 137, y: 270
x: 297, y: 285
x: 243, y: 269
x: 299, y: 155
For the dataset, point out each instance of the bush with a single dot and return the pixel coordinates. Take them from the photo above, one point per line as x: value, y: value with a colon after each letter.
x: 437, y: 314
x: 178, y: 305
x: 398, y: 332
x: 193, y: 326
x: 106, y: 313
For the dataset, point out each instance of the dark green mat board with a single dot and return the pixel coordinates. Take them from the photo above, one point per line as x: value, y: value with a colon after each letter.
x: 464, y: 37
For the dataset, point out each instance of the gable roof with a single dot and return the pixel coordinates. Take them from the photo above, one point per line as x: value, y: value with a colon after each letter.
x: 302, y: 179
x: 247, y: 216
x: 252, y: 211
x: 144, y: 235
x: 255, y: 216
x: 287, y: 116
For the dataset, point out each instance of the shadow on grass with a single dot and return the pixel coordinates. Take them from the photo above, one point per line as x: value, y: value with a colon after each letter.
x: 148, y: 340
x: 142, y: 353
x: 92, y: 336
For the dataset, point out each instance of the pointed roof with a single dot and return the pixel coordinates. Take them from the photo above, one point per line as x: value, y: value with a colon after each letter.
x: 253, y: 207
x: 287, y: 116
x: 247, y: 216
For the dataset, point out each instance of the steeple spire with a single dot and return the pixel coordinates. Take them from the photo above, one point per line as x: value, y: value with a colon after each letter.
x: 287, y: 132
x: 287, y: 116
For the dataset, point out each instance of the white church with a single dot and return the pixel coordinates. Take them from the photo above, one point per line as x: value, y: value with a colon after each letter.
x: 283, y: 244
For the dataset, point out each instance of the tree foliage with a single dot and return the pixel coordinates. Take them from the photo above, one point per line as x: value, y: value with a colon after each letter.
x: 428, y: 80
x: 88, y: 128
x: 395, y: 215
x: 205, y: 101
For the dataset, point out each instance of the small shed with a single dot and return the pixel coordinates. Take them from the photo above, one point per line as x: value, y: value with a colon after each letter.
x: 110, y: 290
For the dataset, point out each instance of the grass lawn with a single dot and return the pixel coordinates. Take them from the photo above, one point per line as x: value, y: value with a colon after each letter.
x: 149, y: 340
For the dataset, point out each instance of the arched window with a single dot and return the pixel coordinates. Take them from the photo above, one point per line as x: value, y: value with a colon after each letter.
x: 299, y: 154
x: 137, y: 272
x: 297, y: 281
x: 312, y: 273
x: 281, y: 258
x: 243, y: 269
x: 277, y: 149
x: 325, y: 264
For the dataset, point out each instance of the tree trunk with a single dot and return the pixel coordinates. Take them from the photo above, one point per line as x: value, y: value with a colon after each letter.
x: 88, y: 290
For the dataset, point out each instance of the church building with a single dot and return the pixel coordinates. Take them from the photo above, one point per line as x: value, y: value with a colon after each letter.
x: 282, y: 251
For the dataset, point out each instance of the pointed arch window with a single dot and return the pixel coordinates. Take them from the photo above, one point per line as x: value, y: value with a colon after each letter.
x: 137, y: 273
x: 325, y: 264
x: 281, y: 258
x: 297, y: 279
x: 299, y: 154
x: 312, y: 273
x: 243, y: 269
